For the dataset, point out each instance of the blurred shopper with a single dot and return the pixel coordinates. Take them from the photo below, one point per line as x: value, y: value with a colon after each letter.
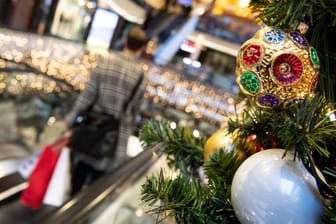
x: 117, y: 80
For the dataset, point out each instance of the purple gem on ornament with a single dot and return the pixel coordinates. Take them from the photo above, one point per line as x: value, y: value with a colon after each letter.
x: 274, y: 36
x: 268, y: 101
x: 299, y: 39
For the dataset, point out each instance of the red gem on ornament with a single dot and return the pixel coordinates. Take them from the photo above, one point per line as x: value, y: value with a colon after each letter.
x: 287, y: 69
x: 252, y: 54
x: 314, y: 82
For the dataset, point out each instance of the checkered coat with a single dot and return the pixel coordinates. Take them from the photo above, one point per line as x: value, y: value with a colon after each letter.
x: 110, y: 85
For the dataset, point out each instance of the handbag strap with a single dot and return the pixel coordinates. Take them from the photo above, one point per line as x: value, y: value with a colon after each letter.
x: 129, y: 61
x: 134, y: 90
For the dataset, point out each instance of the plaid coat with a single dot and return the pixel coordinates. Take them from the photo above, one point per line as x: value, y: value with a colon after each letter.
x: 110, y: 86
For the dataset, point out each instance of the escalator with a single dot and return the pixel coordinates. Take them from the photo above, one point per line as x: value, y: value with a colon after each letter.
x: 112, y: 197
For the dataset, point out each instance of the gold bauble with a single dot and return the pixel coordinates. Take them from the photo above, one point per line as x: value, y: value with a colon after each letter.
x: 275, y: 68
x: 221, y: 139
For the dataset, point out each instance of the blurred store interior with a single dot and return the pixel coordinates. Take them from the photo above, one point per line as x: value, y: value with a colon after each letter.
x: 47, y: 48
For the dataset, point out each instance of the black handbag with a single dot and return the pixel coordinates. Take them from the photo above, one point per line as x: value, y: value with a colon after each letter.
x: 97, y: 133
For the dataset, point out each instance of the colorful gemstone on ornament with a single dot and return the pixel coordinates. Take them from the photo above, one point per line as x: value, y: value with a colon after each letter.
x: 287, y: 69
x: 275, y: 67
x: 275, y: 36
x: 300, y: 40
x: 268, y: 101
x: 252, y: 54
x: 250, y: 82
x: 313, y: 57
x: 314, y: 82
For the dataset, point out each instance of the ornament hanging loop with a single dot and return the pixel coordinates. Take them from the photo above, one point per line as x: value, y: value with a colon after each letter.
x: 303, y: 28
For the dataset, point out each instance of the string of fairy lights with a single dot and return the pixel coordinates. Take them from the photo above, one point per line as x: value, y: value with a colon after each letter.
x: 43, y: 61
x: 32, y: 63
x: 193, y: 97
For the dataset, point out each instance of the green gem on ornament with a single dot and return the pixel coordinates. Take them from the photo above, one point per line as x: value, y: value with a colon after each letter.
x: 250, y: 82
x: 314, y: 58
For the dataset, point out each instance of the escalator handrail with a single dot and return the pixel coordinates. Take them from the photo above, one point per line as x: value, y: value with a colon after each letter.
x: 11, y: 185
x: 102, y: 191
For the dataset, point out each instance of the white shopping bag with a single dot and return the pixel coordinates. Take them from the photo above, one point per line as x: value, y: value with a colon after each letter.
x: 26, y: 167
x: 58, y: 190
x: 133, y: 146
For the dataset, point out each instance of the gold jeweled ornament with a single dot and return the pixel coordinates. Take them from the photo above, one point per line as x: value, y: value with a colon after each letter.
x: 275, y: 68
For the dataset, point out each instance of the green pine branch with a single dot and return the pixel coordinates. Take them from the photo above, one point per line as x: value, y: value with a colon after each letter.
x: 287, y: 14
x: 188, y: 199
x: 181, y: 197
x: 308, y: 123
x: 183, y: 150
x: 329, y: 214
x: 254, y: 121
x: 220, y: 171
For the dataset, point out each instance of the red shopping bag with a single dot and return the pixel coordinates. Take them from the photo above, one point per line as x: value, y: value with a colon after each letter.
x: 39, y: 179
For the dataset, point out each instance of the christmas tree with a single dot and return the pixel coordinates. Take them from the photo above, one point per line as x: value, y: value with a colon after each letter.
x: 275, y: 161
